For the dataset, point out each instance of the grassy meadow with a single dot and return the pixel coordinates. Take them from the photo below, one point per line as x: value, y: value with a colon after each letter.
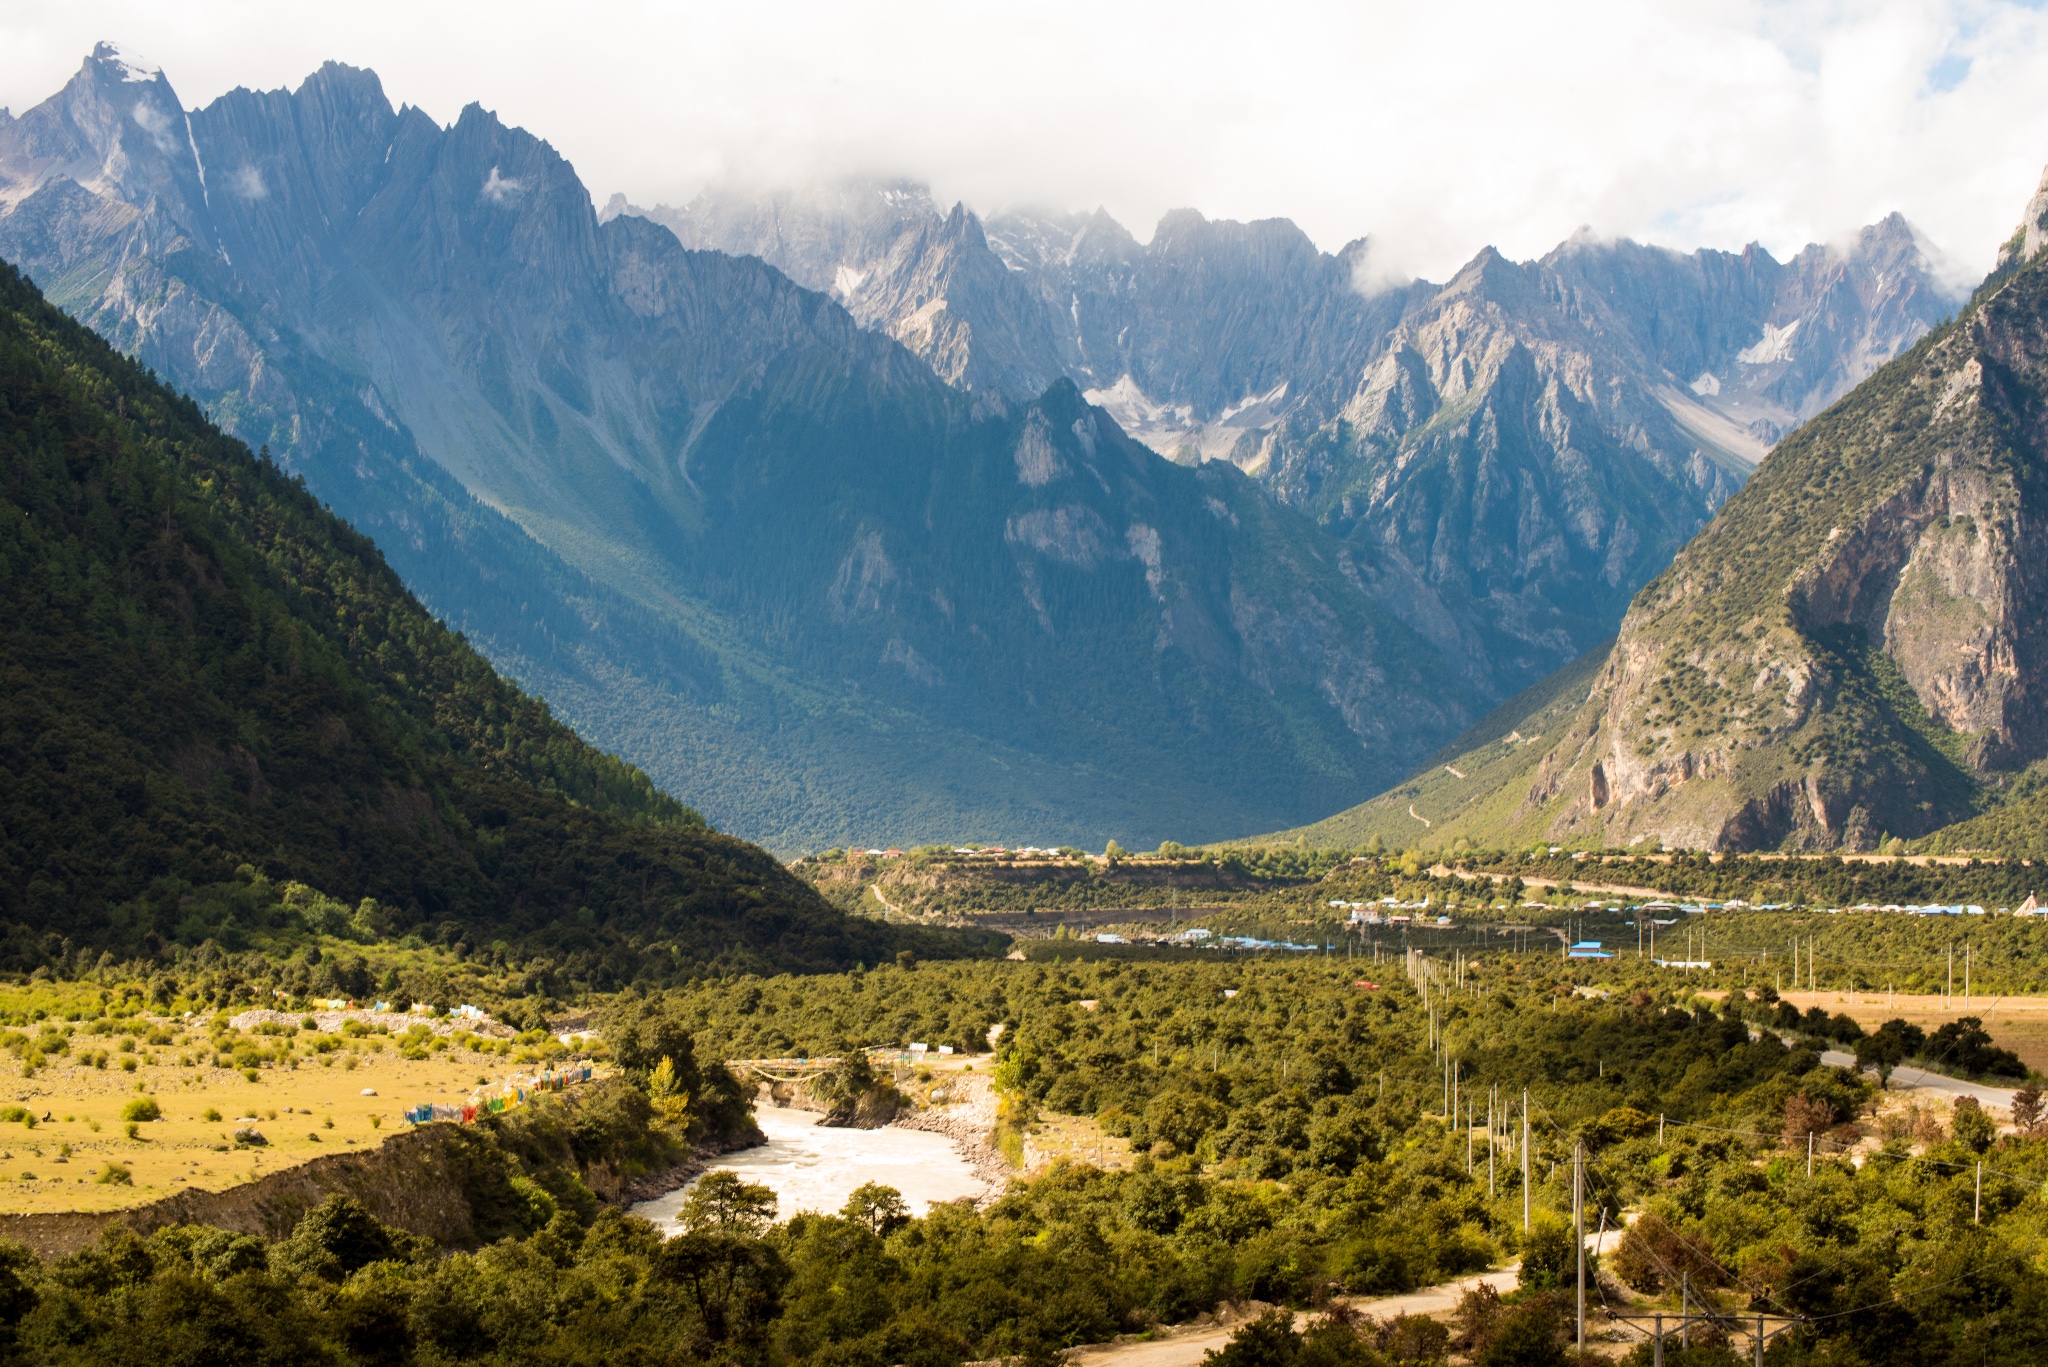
x: 80, y: 1071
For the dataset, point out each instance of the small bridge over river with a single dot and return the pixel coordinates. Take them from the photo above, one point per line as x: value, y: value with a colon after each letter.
x: 780, y: 1069
x: 797, y: 1069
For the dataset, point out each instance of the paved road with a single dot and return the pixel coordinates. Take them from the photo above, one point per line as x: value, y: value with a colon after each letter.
x: 1903, y: 1077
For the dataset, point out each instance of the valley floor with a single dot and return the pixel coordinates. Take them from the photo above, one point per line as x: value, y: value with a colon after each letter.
x: 62, y: 1164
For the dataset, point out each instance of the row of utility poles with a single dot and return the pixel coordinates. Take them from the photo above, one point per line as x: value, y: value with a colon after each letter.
x: 1812, y: 959
x: 1434, y: 981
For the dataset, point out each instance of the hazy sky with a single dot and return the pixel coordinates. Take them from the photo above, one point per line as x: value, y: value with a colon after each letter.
x: 1436, y: 128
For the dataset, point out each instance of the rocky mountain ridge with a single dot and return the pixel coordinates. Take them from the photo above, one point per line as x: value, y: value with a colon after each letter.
x: 726, y: 529
x: 1531, y: 440
x: 1850, y: 651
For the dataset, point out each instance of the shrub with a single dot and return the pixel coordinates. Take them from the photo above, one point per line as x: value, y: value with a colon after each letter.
x: 1806, y: 1116
x: 1532, y: 1336
x: 1548, y: 1259
x: 1971, y: 1127
x: 1652, y: 1257
x: 142, y: 1108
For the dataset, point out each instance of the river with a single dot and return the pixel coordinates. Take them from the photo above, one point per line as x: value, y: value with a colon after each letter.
x: 810, y: 1167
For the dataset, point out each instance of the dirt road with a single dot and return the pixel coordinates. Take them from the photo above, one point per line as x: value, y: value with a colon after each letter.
x: 1187, y: 1347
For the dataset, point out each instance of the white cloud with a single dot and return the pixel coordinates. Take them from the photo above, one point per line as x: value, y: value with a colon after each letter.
x: 502, y: 190
x: 1435, y: 128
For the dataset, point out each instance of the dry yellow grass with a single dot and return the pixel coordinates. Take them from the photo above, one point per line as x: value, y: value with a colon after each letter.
x: 303, y: 1111
x: 2016, y: 1023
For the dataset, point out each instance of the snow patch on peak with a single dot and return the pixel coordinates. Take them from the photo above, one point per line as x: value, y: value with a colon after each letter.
x: 846, y: 280
x: 199, y: 166
x: 1707, y: 384
x: 127, y: 62
x: 1131, y: 408
x: 1251, y: 401
x: 1774, y: 345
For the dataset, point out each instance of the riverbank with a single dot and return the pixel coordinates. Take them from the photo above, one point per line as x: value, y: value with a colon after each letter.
x: 813, y: 1167
x: 962, y: 1107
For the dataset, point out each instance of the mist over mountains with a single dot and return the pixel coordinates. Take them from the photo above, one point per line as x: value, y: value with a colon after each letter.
x: 1531, y: 441
x: 821, y: 508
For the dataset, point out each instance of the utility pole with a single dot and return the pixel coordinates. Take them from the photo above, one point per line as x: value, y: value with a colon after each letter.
x: 1809, y: 1153
x: 1977, y: 1212
x: 1468, y: 1139
x: 1525, y: 1160
x: 1949, y: 1004
x: 1966, y: 975
x: 1579, y: 1232
x: 1492, y: 1129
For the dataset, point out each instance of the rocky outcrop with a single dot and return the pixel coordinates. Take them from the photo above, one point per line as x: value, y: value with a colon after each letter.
x: 1523, y: 446
x: 417, y: 1181
x: 1853, y: 648
x: 871, y: 1110
x: 724, y: 527
x: 742, y: 532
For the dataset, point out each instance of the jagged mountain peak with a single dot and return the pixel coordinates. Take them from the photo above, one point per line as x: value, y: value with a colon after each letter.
x: 1492, y: 276
x: 1854, y: 640
x: 730, y: 528
x: 115, y: 128
x: 1041, y: 240
x: 1276, y: 240
x: 1503, y: 477
x: 124, y: 63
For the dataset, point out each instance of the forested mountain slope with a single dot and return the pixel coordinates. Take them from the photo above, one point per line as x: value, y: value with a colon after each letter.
x: 1853, y: 647
x: 203, y: 668
x: 727, y: 531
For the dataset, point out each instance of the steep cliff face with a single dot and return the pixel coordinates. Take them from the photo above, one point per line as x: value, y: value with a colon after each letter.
x: 1529, y: 443
x: 724, y: 527
x: 1853, y: 647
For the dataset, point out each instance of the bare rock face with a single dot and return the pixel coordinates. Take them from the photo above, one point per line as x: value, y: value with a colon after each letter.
x: 1854, y: 647
x: 849, y: 562
x: 2032, y: 234
x: 871, y: 1110
x: 1526, y: 444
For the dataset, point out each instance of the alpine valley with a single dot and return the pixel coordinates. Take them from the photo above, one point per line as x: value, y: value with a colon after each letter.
x: 846, y: 517
x: 1849, y: 655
